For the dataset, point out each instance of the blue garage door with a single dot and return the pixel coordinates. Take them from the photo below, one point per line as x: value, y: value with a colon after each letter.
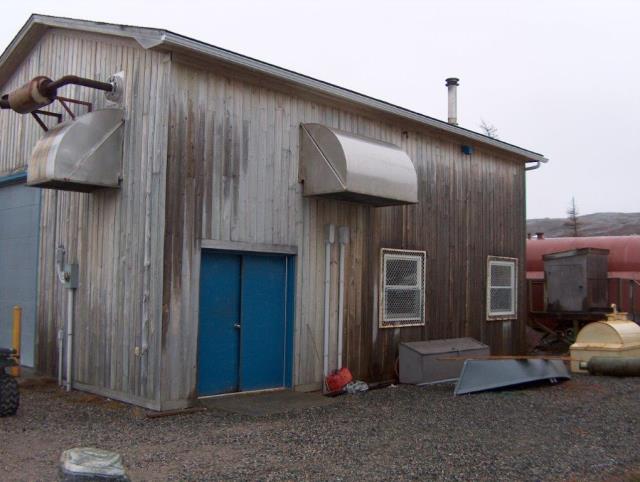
x: 246, y: 318
x: 19, y: 227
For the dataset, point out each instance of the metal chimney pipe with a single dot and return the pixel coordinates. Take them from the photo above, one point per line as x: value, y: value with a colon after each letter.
x: 452, y: 88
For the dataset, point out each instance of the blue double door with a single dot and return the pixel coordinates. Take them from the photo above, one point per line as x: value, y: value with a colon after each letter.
x: 246, y: 318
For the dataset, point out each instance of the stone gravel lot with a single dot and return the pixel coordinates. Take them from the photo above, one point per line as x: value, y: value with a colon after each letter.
x: 583, y: 429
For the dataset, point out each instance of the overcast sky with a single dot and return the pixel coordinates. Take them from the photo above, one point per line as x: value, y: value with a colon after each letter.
x: 558, y: 77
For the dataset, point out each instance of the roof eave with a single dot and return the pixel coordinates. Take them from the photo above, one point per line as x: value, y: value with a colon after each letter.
x: 172, y: 40
x: 150, y: 38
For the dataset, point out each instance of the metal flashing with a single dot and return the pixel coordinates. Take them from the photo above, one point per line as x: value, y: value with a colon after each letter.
x: 15, y: 178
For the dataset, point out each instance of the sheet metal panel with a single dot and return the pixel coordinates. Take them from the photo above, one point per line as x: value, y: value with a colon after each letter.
x: 481, y: 375
x: 219, y: 337
x: 263, y: 333
x: 19, y: 232
x: 245, y: 333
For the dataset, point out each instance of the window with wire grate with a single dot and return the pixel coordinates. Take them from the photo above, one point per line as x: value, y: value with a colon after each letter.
x: 501, y: 288
x: 402, y: 288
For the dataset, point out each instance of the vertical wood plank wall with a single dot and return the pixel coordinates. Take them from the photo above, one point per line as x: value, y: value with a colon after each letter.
x: 116, y: 236
x: 228, y: 170
x: 233, y: 176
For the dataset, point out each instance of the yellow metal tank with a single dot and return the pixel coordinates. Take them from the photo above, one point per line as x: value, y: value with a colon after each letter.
x: 615, y: 337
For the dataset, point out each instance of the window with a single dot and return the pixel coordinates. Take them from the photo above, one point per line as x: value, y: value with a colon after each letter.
x: 402, y: 288
x: 501, y: 288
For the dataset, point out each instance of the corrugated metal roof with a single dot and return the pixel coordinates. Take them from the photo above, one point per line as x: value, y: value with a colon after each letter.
x: 150, y: 38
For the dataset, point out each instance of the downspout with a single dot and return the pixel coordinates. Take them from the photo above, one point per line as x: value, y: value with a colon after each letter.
x: 329, y: 239
x: 532, y: 168
x: 343, y: 239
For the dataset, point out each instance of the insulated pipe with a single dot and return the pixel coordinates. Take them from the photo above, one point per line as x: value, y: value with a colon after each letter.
x: 70, y: 300
x: 613, y: 366
x: 329, y: 239
x: 452, y: 88
x: 343, y: 238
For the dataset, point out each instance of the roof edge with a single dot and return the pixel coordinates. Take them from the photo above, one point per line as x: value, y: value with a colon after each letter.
x: 179, y: 41
x: 150, y: 38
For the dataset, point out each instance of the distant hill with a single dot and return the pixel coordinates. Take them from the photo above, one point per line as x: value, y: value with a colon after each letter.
x: 599, y: 224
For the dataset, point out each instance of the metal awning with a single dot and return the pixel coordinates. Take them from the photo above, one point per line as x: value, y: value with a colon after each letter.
x: 345, y: 166
x: 81, y: 154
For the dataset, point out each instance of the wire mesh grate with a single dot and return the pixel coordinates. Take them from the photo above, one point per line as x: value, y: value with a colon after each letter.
x: 501, y: 275
x: 501, y: 286
x: 402, y: 294
x: 501, y: 300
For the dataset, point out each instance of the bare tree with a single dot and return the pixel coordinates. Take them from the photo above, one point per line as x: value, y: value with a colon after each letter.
x: 572, y: 218
x: 489, y: 130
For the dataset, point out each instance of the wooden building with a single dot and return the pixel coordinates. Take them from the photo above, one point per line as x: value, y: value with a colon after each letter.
x: 204, y: 271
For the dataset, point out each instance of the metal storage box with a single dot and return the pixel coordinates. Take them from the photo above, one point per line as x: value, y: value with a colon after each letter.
x: 612, y: 338
x: 576, y: 280
x: 421, y: 361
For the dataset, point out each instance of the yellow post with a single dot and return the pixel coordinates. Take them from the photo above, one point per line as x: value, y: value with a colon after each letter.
x: 17, y: 328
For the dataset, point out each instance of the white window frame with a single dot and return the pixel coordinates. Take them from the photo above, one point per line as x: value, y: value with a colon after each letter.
x: 394, y: 321
x: 513, y: 264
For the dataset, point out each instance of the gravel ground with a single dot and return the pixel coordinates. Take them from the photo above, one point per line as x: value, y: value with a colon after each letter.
x: 583, y: 429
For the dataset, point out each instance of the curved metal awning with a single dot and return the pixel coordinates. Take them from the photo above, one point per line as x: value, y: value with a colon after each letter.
x: 345, y: 166
x: 80, y: 155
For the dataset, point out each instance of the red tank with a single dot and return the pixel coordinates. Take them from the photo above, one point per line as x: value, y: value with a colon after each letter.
x: 624, y: 253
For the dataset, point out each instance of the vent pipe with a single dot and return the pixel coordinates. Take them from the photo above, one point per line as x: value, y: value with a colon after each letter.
x: 452, y: 88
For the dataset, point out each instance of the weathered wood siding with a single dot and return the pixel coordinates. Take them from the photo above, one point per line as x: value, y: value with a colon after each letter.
x: 116, y: 236
x: 233, y: 176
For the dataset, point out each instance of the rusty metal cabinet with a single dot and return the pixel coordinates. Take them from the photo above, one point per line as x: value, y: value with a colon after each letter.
x: 576, y: 280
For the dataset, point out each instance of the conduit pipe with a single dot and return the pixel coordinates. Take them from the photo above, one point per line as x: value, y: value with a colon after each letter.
x: 68, y: 276
x: 60, y: 358
x: 343, y: 239
x: 329, y: 239
x: 70, y: 302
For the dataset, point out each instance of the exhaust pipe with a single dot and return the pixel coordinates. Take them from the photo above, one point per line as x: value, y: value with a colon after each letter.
x: 42, y: 91
x: 452, y: 88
